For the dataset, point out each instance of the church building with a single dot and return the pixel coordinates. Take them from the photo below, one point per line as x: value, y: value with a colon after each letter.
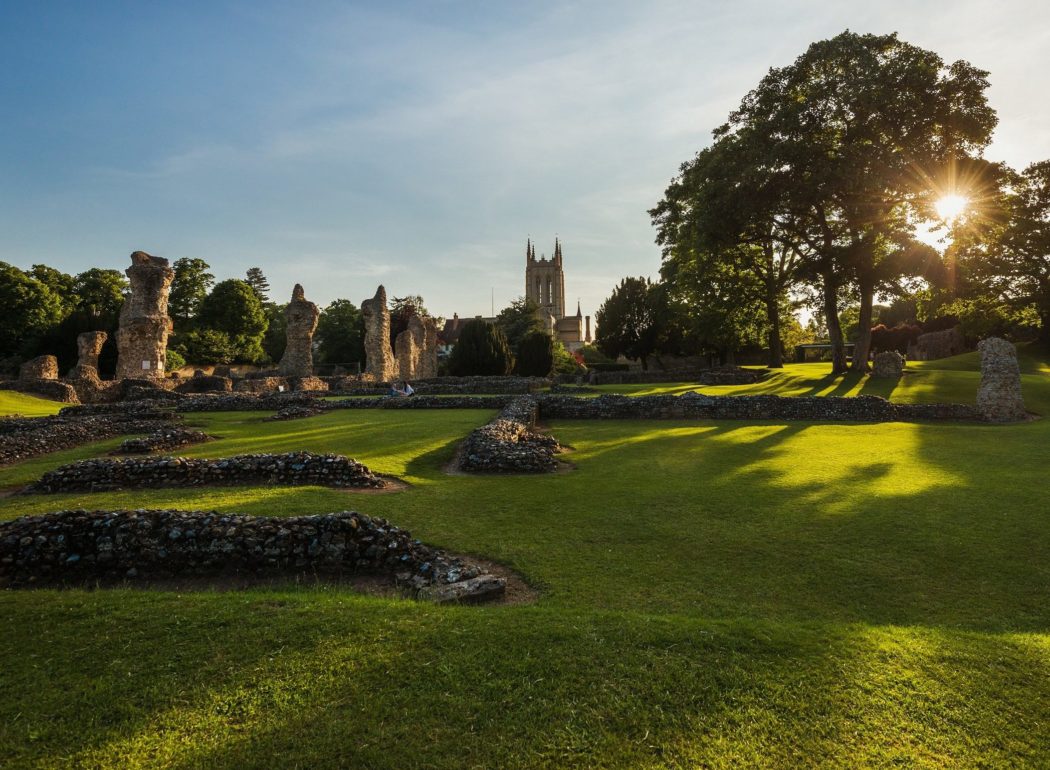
x: 545, y: 285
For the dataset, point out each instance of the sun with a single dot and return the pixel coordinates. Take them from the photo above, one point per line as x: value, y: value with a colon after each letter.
x: 951, y: 207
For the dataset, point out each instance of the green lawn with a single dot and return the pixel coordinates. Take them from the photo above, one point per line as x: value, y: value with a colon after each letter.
x: 714, y: 594
x: 27, y: 406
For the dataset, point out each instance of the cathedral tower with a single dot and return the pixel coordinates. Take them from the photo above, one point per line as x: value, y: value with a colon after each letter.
x: 545, y: 280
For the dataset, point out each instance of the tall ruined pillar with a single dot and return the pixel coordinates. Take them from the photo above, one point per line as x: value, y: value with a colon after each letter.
x: 142, y: 339
x: 406, y: 353
x: 89, y: 346
x: 300, y: 317
x: 379, y: 359
x: 428, y: 356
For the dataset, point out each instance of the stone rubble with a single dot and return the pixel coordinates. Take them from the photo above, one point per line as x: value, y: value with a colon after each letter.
x: 78, y: 546
x: 289, y: 469
x: 89, y: 346
x: 39, y: 368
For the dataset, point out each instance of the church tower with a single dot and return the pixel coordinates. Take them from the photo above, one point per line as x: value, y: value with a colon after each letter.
x: 545, y: 280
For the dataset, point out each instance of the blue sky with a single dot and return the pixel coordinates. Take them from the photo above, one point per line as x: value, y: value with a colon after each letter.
x: 341, y: 145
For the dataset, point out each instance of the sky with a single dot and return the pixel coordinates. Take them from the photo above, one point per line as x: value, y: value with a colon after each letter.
x: 418, y: 145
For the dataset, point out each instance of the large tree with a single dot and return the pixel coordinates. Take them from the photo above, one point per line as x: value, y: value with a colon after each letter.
x: 480, y: 350
x: 1004, y: 247
x: 865, y: 129
x: 100, y: 293
x: 30, y: 308
x: 636, y: 321
x: 340, y: 334
x: 234, y: 309
x: 518, y: 320
x: 190, y: 286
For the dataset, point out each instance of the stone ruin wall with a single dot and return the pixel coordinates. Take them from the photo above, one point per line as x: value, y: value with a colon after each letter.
x: 379, y: 359
x: 301, y: 322
x: 142, y: 339
x: 935, y: 345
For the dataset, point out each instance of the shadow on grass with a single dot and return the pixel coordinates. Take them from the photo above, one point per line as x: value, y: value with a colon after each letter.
x: 286, y: 680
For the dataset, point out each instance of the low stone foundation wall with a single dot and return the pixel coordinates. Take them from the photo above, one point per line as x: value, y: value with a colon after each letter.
x: 442, y: 386
x: 422, y: 402
x: 731, y: 375
x: 163, y: 440
x: 697, y: 406
x: 244, y: 402
x: 296, y: 413
x: 291, y: 469
x: 23, y: 438
x: 205, y: 383
x: 53, y: 390
x: 74, y: 547
x: 510, y: 444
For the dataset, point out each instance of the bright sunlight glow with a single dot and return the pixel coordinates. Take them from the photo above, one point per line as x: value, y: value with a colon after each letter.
x: 951, y: 207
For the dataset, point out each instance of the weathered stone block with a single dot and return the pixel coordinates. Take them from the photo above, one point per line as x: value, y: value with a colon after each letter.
x: 39, y: 368
x: 999, y: 397
x: 889, y: 364
x: 379, y: 359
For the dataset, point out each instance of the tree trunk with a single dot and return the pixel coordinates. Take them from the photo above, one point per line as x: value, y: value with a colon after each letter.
x: 776, y: 351
x: 831, y: 316
x: 863, y: 346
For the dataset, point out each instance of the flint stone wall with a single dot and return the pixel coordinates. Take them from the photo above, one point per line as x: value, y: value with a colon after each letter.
x: 205, y: 383
x: 290, y: 469
x: 78, y: 546
x: 510, y: 443
x: 698, y: 406
x: 635, y: 377
x: 999, y: 398
x: 39, y: 368
x: 53, y: 390
x: 934, y: 345
x: 162, y: 440
x: 23, y: 438
x: 244, y: 402
x: 421, y: 402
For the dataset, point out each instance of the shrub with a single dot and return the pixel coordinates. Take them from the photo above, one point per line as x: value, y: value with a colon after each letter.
x: 481, y: 350
x: 535, y: 355
x: 173, y: 361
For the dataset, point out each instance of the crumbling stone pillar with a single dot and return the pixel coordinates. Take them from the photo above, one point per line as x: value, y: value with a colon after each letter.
x: 142, y: 339
x: 428, y: 356
x: 89, y: 346
x: 300, y: 317
x: 379, y: 359
x: 999, y: 398
x: 407, y: 348
x: 889, y: 365
x: 40, y: 368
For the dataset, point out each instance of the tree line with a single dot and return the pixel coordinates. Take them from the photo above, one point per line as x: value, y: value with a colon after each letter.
x: 816, y: 191
x: 225, y: 322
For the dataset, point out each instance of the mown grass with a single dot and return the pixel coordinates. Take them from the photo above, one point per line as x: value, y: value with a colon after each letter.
x: 714, y: 594
x: 27, y: 406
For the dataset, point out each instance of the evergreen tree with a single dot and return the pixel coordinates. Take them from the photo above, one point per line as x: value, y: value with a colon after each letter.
x: 258, y: 282
x: 535, y: 355
x: 481, y: 350
x: 518, y: 320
